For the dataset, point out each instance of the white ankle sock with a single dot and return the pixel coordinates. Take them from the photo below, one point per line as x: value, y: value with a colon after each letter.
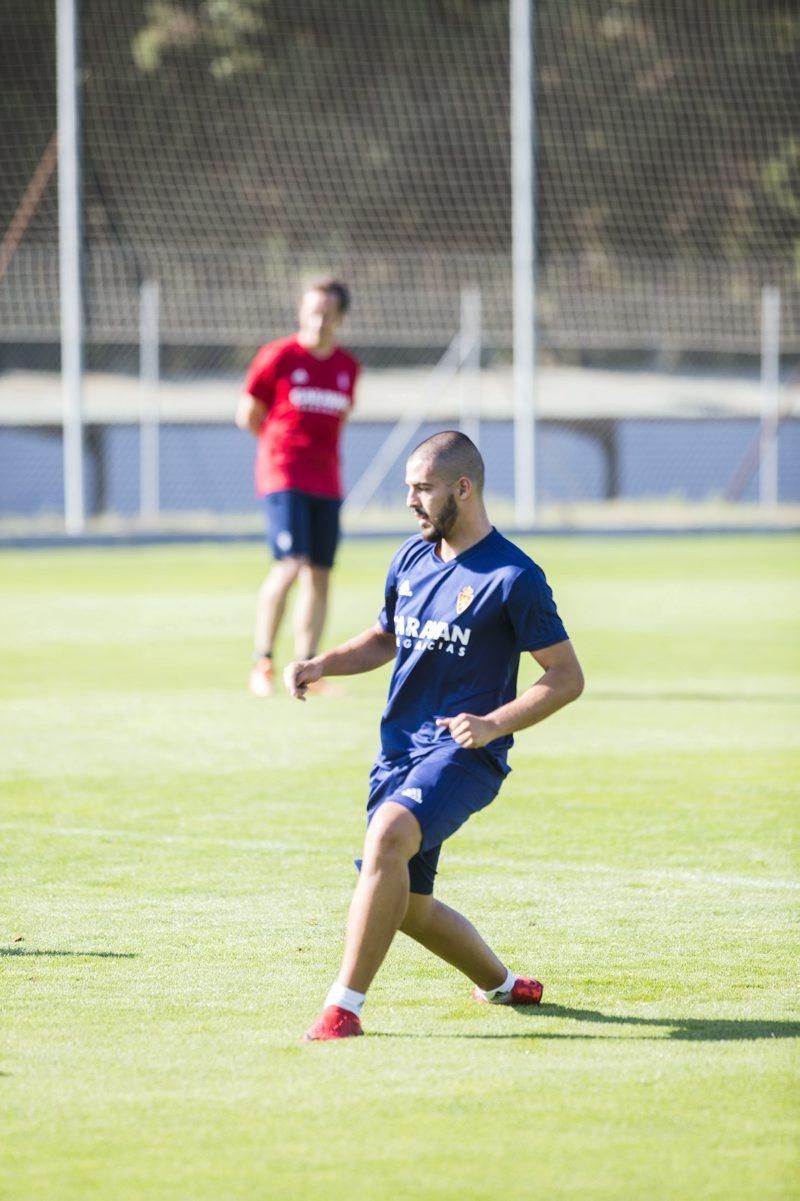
x: 506, y: 986
x: 345, y: 998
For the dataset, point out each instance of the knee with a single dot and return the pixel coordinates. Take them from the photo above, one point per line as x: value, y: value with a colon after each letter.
x: 392, y: 837
x: 283, y: 574
x: 315, y: 579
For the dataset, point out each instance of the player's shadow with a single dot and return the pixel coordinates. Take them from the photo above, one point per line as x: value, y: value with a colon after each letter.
x: 712, y: 1030
x: 690, y: 1029
x: 21, y: 951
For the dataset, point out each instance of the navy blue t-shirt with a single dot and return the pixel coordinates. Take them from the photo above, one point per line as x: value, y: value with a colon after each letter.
x: 460, y: 628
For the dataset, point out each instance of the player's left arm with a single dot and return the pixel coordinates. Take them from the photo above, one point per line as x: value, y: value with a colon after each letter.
x: 356, y: 373
x: 561, y: 683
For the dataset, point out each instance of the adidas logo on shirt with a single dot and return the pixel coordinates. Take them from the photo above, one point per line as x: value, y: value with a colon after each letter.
x: 404, y: 589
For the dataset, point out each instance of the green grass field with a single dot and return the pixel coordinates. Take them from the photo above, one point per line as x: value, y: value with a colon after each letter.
x: 177, y: 868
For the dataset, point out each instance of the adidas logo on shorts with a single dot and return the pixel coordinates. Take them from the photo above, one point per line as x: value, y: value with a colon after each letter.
x: 413, y: 794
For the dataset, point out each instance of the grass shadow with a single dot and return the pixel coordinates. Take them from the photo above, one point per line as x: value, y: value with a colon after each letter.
x: 21, y: 951
x: 712, y: 1030
x: 687, y: 1029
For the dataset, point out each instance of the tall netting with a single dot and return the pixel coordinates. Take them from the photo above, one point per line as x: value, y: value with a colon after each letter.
x: 232, y: 149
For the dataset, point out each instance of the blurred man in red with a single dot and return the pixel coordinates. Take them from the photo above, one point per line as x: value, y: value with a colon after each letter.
x: 297, y: 396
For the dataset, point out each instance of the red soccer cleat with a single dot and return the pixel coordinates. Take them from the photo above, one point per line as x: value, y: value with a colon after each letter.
x: 334, y: 1023
x: 261, y: 678
x: 524, y: 992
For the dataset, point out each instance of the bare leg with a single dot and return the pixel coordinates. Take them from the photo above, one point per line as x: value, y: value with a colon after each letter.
x: 271, y: 601
x: 381, y: 897
x: 310, y: 610
x: 453, y: 938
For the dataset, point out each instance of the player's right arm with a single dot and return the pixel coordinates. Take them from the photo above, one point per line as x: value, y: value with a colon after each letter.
x: 250, y: 414
x: 368, y: 650
x: 258, y: 392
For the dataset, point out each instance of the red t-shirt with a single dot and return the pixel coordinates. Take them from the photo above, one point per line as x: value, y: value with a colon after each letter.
x: 307, y: 401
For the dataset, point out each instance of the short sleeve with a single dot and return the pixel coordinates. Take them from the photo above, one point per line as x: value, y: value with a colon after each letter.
x: 386, y: 615
x: 532, y: 612
x: 262, y: 374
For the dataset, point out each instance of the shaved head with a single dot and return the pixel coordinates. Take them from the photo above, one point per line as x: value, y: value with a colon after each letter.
x: 452, y: 455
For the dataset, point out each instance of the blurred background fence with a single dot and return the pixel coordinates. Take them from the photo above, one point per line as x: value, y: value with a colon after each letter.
x: 233, y: 149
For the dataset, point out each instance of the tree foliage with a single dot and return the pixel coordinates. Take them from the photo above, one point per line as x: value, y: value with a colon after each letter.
x: 665, y: 128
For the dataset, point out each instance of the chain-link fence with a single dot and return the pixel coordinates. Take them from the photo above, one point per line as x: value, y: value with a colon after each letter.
x: 231, y: 152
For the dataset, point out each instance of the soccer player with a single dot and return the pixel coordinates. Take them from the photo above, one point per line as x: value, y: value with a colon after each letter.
x: 461, y: 604
x: 297, y: 396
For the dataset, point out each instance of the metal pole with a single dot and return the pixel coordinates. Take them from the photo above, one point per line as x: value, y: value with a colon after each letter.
x: 149, y: 428
x: 70, y: 263
x: 770, y: 390
x: 471, y: 363
x: 522, y: 251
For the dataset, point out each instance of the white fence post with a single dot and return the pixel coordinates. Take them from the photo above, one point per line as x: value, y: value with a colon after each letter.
x: 69, y: 264
x: 523, y: 225
x: 470, y: 334
x: 149, y: 427
x: 770, y: 392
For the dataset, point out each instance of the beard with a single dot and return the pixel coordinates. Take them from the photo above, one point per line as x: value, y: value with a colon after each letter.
x: 442, y: 524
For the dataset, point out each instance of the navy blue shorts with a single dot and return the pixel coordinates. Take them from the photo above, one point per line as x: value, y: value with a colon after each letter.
x: 442, y: 789
x: 300, y: 524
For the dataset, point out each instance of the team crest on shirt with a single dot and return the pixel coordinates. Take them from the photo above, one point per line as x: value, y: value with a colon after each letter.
x: 300, y: 376
x: 343, y: 381
x: 464, y: 599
